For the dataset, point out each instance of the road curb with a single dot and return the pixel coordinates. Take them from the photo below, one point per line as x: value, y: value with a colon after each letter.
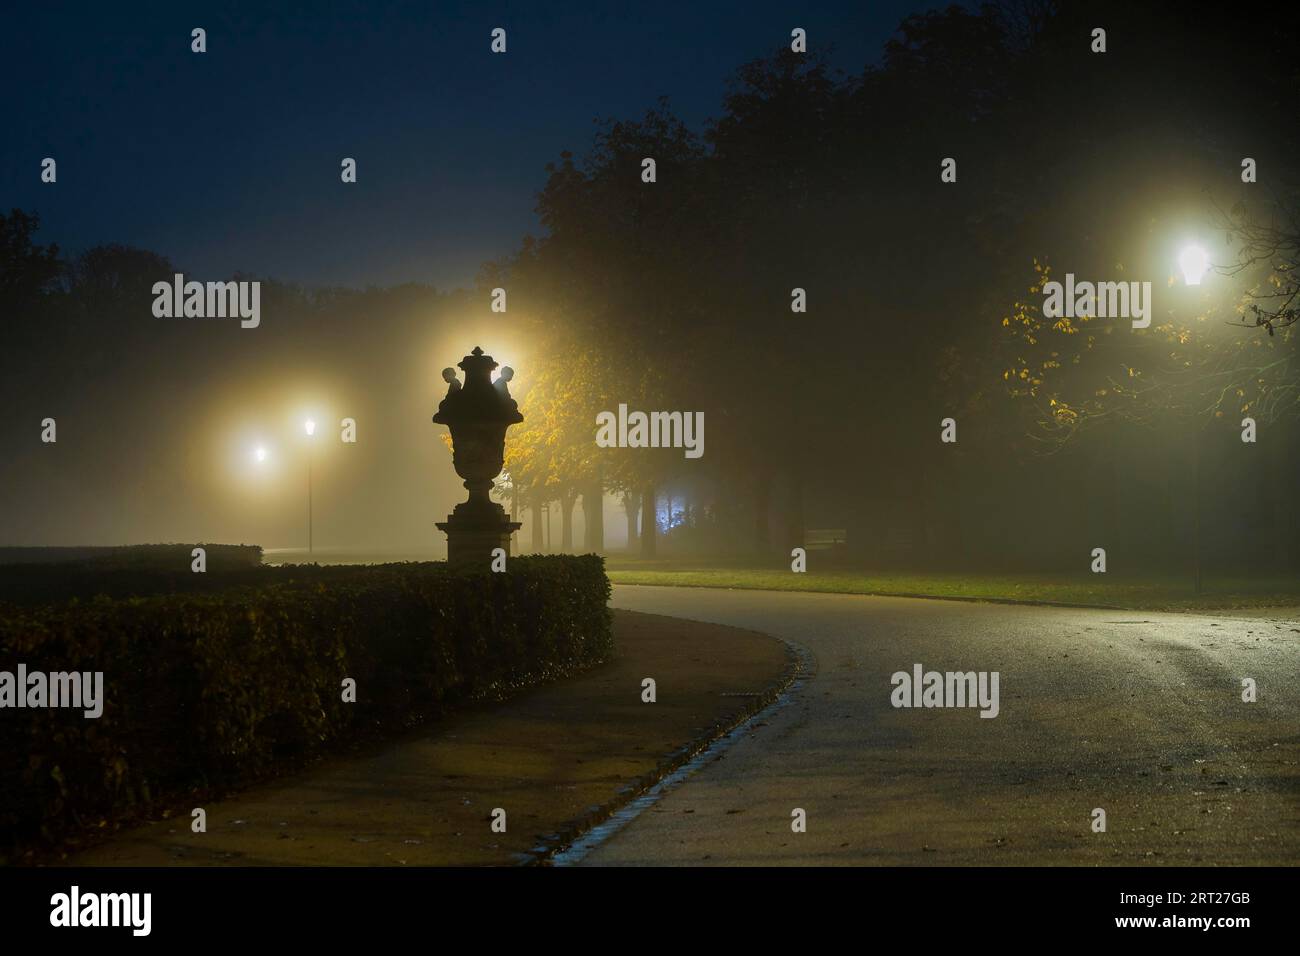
x: 580, y: 837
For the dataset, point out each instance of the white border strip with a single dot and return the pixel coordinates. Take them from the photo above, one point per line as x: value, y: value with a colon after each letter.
x: 575, y: 852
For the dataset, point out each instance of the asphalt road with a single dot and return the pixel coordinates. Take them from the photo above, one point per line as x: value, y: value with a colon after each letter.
x: 1136, y: 713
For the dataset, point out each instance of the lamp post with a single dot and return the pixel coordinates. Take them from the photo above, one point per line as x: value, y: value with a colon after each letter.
x: 310, y: 427
x: 478, y: 415
x: 1194, y: 262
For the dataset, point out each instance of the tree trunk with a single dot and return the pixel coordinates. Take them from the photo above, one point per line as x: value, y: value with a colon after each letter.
x: 567, y: 500
x: 794, y: 515
x: 593, y: 519
x: 631, y: 504
x: 649, y: 527
x: 762, y: 496
x: 514, y: 517
x: 535, y: 527
x: 1108, y: 485
x: 1280, y: 477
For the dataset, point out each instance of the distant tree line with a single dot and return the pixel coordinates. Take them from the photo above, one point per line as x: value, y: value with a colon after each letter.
x: 677, y: 293
x: 921, y: 297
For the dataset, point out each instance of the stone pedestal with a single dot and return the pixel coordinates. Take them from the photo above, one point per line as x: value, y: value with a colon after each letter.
x: 478, y: 415
x: 473, y: 534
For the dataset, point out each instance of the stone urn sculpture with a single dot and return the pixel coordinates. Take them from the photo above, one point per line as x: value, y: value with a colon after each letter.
x: 478, y: 415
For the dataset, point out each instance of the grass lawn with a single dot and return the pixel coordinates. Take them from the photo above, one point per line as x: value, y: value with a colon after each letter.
x: 1101, y: 590
x: 1137, y: 592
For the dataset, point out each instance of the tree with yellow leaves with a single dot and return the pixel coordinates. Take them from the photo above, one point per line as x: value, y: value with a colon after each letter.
x: 1225, y: 358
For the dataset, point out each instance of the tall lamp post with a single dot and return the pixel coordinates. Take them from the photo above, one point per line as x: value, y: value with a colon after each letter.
x: 310, y: 427
x: 1195, y: 262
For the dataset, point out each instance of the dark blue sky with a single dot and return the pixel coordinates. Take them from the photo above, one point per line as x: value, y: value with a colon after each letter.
x: 230, y: 160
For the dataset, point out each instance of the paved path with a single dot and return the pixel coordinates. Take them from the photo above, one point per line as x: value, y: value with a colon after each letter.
x: 1138, y: 713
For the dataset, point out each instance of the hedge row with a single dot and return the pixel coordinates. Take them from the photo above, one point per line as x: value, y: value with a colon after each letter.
x: 207, y: 691
x: 52, y: 583
x: 45, y: 575
x: 136, y: 555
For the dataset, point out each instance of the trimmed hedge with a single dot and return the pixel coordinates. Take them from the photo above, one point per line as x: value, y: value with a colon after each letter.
x: 49, y: 583
x: 44, y: 575
x: 219, y: 556
x: 208, y: 691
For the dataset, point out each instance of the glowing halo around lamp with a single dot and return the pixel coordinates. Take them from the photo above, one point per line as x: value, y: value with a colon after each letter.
x: 1194, y: 261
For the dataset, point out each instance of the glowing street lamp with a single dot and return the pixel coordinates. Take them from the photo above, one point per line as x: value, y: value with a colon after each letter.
x: 1194, y: 261
x: 260, y: 455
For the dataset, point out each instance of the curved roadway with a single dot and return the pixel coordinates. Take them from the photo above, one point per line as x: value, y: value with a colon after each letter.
x: 1136, y: 713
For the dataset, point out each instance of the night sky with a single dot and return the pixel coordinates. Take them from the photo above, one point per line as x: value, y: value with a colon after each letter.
x: 229, y: 161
